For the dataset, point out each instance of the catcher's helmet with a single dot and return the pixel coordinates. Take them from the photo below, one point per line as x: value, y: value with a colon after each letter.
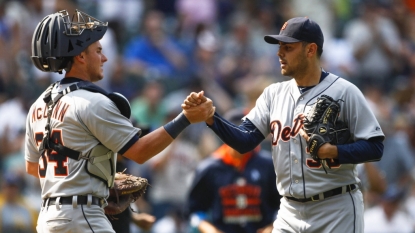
x: 57, y: 38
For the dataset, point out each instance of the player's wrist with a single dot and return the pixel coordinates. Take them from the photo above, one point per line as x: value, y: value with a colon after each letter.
x: 210, y: 121
x: 327, y: 151
x: 177, y: 125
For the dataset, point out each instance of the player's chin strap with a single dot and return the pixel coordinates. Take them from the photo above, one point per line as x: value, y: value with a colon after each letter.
x: 95, y: 157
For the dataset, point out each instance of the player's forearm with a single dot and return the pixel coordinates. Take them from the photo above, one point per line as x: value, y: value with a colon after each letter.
x: 149, y: 145
x: 361, y: 151
x: 32, y: 169
x: 156, y: 141
x: 242, y: 138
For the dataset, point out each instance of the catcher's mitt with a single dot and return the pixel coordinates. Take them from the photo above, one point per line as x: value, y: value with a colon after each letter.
x: 127, y: 189
x: 322, y: 126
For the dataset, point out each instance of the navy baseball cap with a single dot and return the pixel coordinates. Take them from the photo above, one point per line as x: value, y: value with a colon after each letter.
x: 296, y: 30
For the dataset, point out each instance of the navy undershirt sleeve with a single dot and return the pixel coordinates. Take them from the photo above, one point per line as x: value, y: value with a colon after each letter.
x: 361, y: 151
x: 242, y: 138
x: 246, y: 137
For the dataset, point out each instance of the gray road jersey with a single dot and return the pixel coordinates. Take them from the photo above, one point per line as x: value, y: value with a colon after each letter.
x: 81, y: 120
x: 277, y: 112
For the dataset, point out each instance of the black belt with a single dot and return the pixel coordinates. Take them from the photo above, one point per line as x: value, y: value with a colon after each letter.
x: 326, y: 194
x: 82, y: 200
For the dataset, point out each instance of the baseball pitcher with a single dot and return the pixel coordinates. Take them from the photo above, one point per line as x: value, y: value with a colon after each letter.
x: 321, y: 127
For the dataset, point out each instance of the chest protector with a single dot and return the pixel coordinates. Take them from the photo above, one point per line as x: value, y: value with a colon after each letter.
x: 101, y: 160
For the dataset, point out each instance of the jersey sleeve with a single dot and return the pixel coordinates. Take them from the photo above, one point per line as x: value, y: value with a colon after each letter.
x: 260, y: 114
x: 361, y: 120
x: 107, y: 124
x: 242, y: 138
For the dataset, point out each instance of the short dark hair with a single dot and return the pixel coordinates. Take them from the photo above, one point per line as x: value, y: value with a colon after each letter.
x: 319, y: 48
x: 67, y: 64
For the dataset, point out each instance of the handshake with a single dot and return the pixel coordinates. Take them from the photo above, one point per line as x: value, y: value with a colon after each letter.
x: 197, y: 108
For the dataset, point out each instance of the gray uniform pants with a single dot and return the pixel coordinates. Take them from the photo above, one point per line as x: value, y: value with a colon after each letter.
x: 341, y: 213
x: 73, y: 219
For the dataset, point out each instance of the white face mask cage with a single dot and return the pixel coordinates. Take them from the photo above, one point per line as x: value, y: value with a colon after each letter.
x: 83, y: 21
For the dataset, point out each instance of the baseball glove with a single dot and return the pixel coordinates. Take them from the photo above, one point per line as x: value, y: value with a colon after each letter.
x: 322, y: 126
x: 127, y: 189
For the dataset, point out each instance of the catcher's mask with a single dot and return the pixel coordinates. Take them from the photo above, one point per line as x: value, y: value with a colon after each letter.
x: 57, y: 39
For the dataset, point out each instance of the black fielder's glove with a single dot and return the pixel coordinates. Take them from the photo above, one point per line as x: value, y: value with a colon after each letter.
x: 322, y: 126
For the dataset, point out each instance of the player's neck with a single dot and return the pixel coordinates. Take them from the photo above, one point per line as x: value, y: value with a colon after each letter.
x: 77, y: 74
x: 309, y: 78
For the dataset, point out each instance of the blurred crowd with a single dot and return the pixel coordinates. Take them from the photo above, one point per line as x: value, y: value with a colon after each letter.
x: 159, y: 51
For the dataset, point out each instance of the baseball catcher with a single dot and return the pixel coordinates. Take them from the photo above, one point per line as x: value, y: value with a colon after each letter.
x: 126, y: 190
x: 321, y: 124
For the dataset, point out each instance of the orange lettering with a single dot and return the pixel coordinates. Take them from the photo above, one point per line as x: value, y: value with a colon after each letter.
x: 275, y: 131
x: 298, y: 124
x: 45, y: 111
x: 56, y: 109
x: 287, y: 132
x: 63, y: 111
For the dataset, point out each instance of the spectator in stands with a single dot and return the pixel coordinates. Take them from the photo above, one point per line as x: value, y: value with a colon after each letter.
x: 373, y: 37
x: 154, y: 54
x: 15, y: 213
x: 388, y: 215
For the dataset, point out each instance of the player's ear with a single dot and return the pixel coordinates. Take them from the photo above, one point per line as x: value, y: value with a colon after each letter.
x: 80, y: 57
x: 311, y: 49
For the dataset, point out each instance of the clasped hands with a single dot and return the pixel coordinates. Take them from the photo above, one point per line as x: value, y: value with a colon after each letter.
x: 197, y: 108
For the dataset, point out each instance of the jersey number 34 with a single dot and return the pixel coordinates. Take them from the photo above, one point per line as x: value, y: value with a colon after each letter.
x: 58, y: 162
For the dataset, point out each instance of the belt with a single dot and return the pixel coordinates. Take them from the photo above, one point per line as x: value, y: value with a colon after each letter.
x: 81, y: 200
x: 326, y: 194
